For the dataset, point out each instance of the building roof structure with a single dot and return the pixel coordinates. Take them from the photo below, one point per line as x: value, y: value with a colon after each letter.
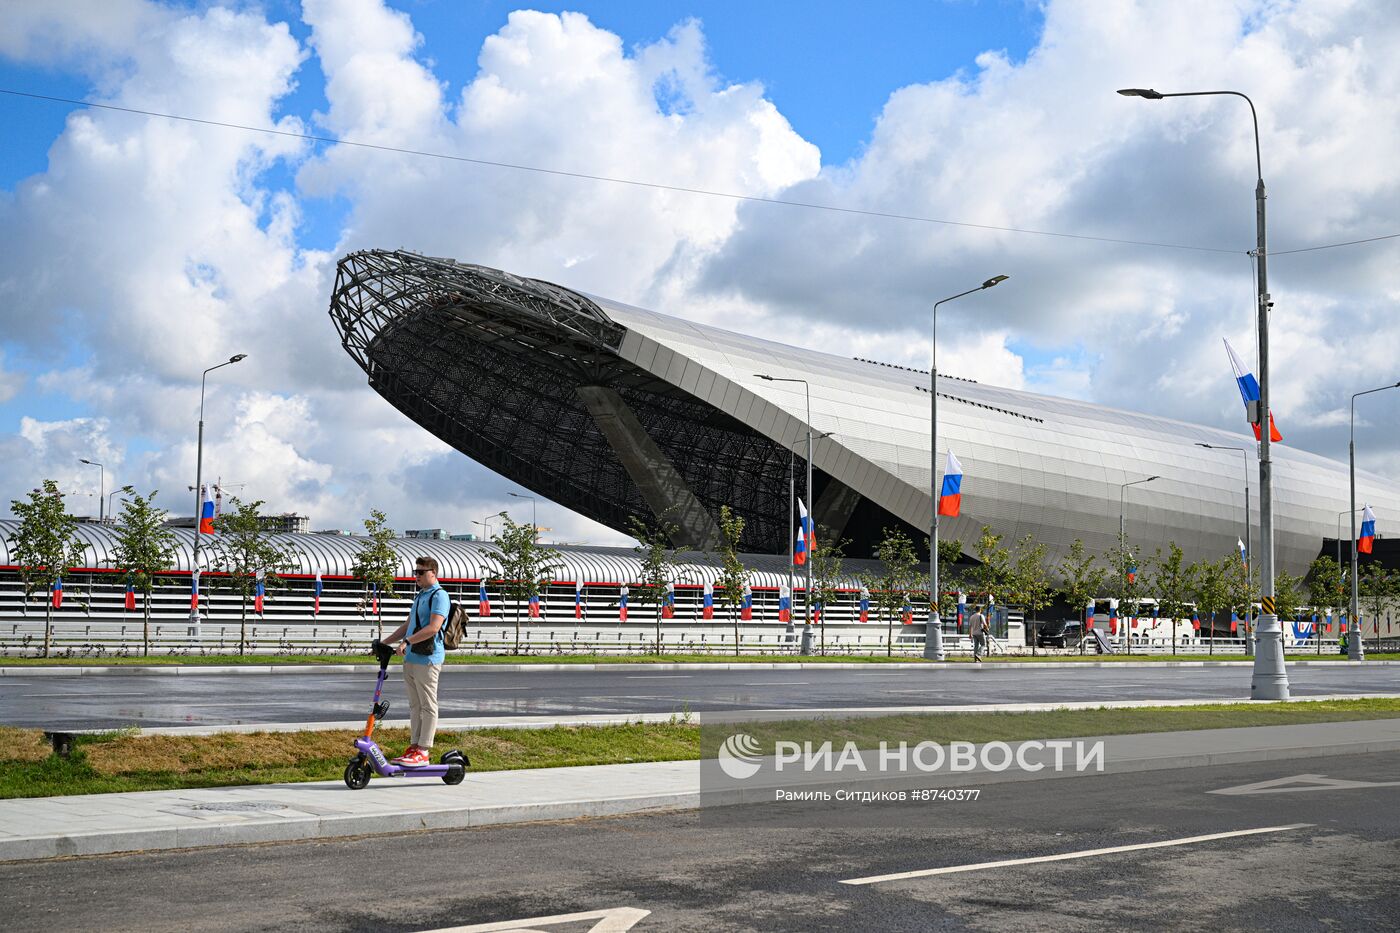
x: 617, y: 412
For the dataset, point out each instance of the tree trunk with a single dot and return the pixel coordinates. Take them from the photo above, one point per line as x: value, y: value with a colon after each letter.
x: 517, y: 625
x: 889, y: 635
x: 735, y: 617
x: 243, y: 629
x: 658, y: 630
x: 146, y: 625
x: 48, y: 623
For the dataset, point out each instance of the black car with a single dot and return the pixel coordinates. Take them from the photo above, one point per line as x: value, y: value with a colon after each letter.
x: 1066, y: 633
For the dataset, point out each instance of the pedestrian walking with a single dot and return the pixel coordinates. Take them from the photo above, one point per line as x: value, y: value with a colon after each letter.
x: 977, y: 626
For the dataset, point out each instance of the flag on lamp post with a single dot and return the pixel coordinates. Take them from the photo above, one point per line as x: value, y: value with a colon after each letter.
x: 746, y: 606
x: 668, y: 603
x: 1249, y: 391
x: 194, y: 589
x: 1089, y: 617
x: 316, y: 600
x: 578, y: 599
x: 1244, y: 554
x: 784, y: 604
x: 259, y: 591
x: 1113, y: 617
x: 483, y: 602
x: 1368, y: 531
x: 864, y: 604
x: 130, y: 601
x: 57, y: 595
x: 707, y: 610
x: 799, y: 551
x: 534, y: 605
x: 206, y: 517
x: 950, y: 495
x: 622, y: 605
x: 962, y: 609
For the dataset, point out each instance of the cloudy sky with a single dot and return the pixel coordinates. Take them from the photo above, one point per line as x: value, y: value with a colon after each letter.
x: 135, y: 251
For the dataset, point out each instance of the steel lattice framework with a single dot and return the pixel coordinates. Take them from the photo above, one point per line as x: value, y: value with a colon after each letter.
x: 490, y: 362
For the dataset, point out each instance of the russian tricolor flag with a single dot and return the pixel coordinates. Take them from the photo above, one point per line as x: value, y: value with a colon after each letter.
x: 1113, y: 617
x: 1249, y: 391
x: 1196, y: 621
x: 194, y: 589
x: 1368, y: 531
x: 374, y: 598
x: 907, y: 616
x: 1244, y: 554
x: 206, y: 518
x: 799, y: 553
x: 950, y: 496
x: 784, y: 604
x: 58, y: 593
x: 483, y: 602
x: 130, y: 594
x: 578, y: 599
x: 668, y: 605
x: 622, y: 605
x: 816, y: 612
x: 962, y: 609
x: 864, y: 604
x: 1234, y: 622
x: 746, y: 607
x: 1089, y: 617
x: 1132, y: 573
x: 534, y: 605
x: 316, y: 600
x: 259, y: 591
x: 707, y: 610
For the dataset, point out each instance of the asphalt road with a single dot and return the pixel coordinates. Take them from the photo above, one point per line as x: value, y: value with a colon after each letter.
x: 118, y: 700
x: 760, y: 868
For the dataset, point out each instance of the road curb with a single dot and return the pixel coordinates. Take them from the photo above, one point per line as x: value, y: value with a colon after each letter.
x: 193, y: 670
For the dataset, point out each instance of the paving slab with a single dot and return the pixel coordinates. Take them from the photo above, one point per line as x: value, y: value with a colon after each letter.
x: 50, y: 827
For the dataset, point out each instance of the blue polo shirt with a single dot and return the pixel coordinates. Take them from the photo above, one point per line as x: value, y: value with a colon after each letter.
x: 428, y: 603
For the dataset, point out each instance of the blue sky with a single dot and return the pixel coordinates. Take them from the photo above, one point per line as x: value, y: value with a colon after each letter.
x: 147, y: 247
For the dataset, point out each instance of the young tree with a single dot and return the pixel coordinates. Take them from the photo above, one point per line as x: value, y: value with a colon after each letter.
x: 242, y: 549
x: 993, y: 571
x: 1211, y: 591
x: 1287, y: 595
x: 658, y: 561
x: 44, y: 546
x: 1083, y: 579
x: 894, y: 588
x: 950, y: 576
x: 1324, y: 583
x: 524, y: 566
x: 1376, y: 586
x: 1172, y: 581
x: 1030, y: 578
x: 144, y: 547
x: 826, y: 558
x: 733, y: 574
x: 377, y: 563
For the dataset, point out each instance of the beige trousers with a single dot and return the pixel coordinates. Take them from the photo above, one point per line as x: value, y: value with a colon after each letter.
x: 422, y: 683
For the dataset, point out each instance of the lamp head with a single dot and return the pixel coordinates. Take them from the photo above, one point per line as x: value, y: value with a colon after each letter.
x: 995, y: 280
x: 764, y: 377
x: 85, y: 460
x: 237, y: 357
x: 1151, y: 478
x: 1144, y: 92
x: 1206, y: 446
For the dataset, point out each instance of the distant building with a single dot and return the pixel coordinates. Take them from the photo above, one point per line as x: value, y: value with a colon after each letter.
x: 466, y: 537
x: 436, y: 534
x: 288, y: 523
x: 338, y: 532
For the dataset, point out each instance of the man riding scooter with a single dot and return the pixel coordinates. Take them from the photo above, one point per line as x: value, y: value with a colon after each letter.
x: 420, y: 643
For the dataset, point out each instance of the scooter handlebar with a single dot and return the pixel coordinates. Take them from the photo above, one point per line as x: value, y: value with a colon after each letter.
x: 381, y: 652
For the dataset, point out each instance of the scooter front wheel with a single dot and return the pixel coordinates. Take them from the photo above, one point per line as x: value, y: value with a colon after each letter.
x: 357, y: 774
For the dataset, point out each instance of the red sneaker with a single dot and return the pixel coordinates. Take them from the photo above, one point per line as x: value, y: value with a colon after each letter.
x: 407, y: 757
x: 418, y: 758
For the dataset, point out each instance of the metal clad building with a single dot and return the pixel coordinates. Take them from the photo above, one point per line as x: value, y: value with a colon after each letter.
x: 614, y: 412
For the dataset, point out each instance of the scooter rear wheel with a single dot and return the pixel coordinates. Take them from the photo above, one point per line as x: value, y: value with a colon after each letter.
x: 455, y: 774
x: 357, y: 774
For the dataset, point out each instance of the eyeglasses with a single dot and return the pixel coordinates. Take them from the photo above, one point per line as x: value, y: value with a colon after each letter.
x: 419, y: 571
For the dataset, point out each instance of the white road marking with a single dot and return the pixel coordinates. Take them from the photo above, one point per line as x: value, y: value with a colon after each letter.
x: 485, y: 688
x: 658, y: 676
x: 779, y: 683
x: 1299, y: 782
x: 615, y: 920
x: 1066, y: 856
x: 84, y: 696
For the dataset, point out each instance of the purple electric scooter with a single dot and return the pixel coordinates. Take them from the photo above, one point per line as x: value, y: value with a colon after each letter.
x: 369, y: 759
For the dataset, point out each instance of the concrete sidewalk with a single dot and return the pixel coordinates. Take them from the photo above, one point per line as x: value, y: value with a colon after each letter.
x: 103, y: 823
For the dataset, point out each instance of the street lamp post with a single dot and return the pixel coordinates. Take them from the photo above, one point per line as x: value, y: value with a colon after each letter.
x: 1248, y: 538
x: 101, y: 487
x: 806, y: 646
x: 534, y: 527
x: 1270, y: 680
x: 933, y: 631
x: 1123, y: 544
x: 1355, y: 650
x: 110, y: 496
x: 199, y: 470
